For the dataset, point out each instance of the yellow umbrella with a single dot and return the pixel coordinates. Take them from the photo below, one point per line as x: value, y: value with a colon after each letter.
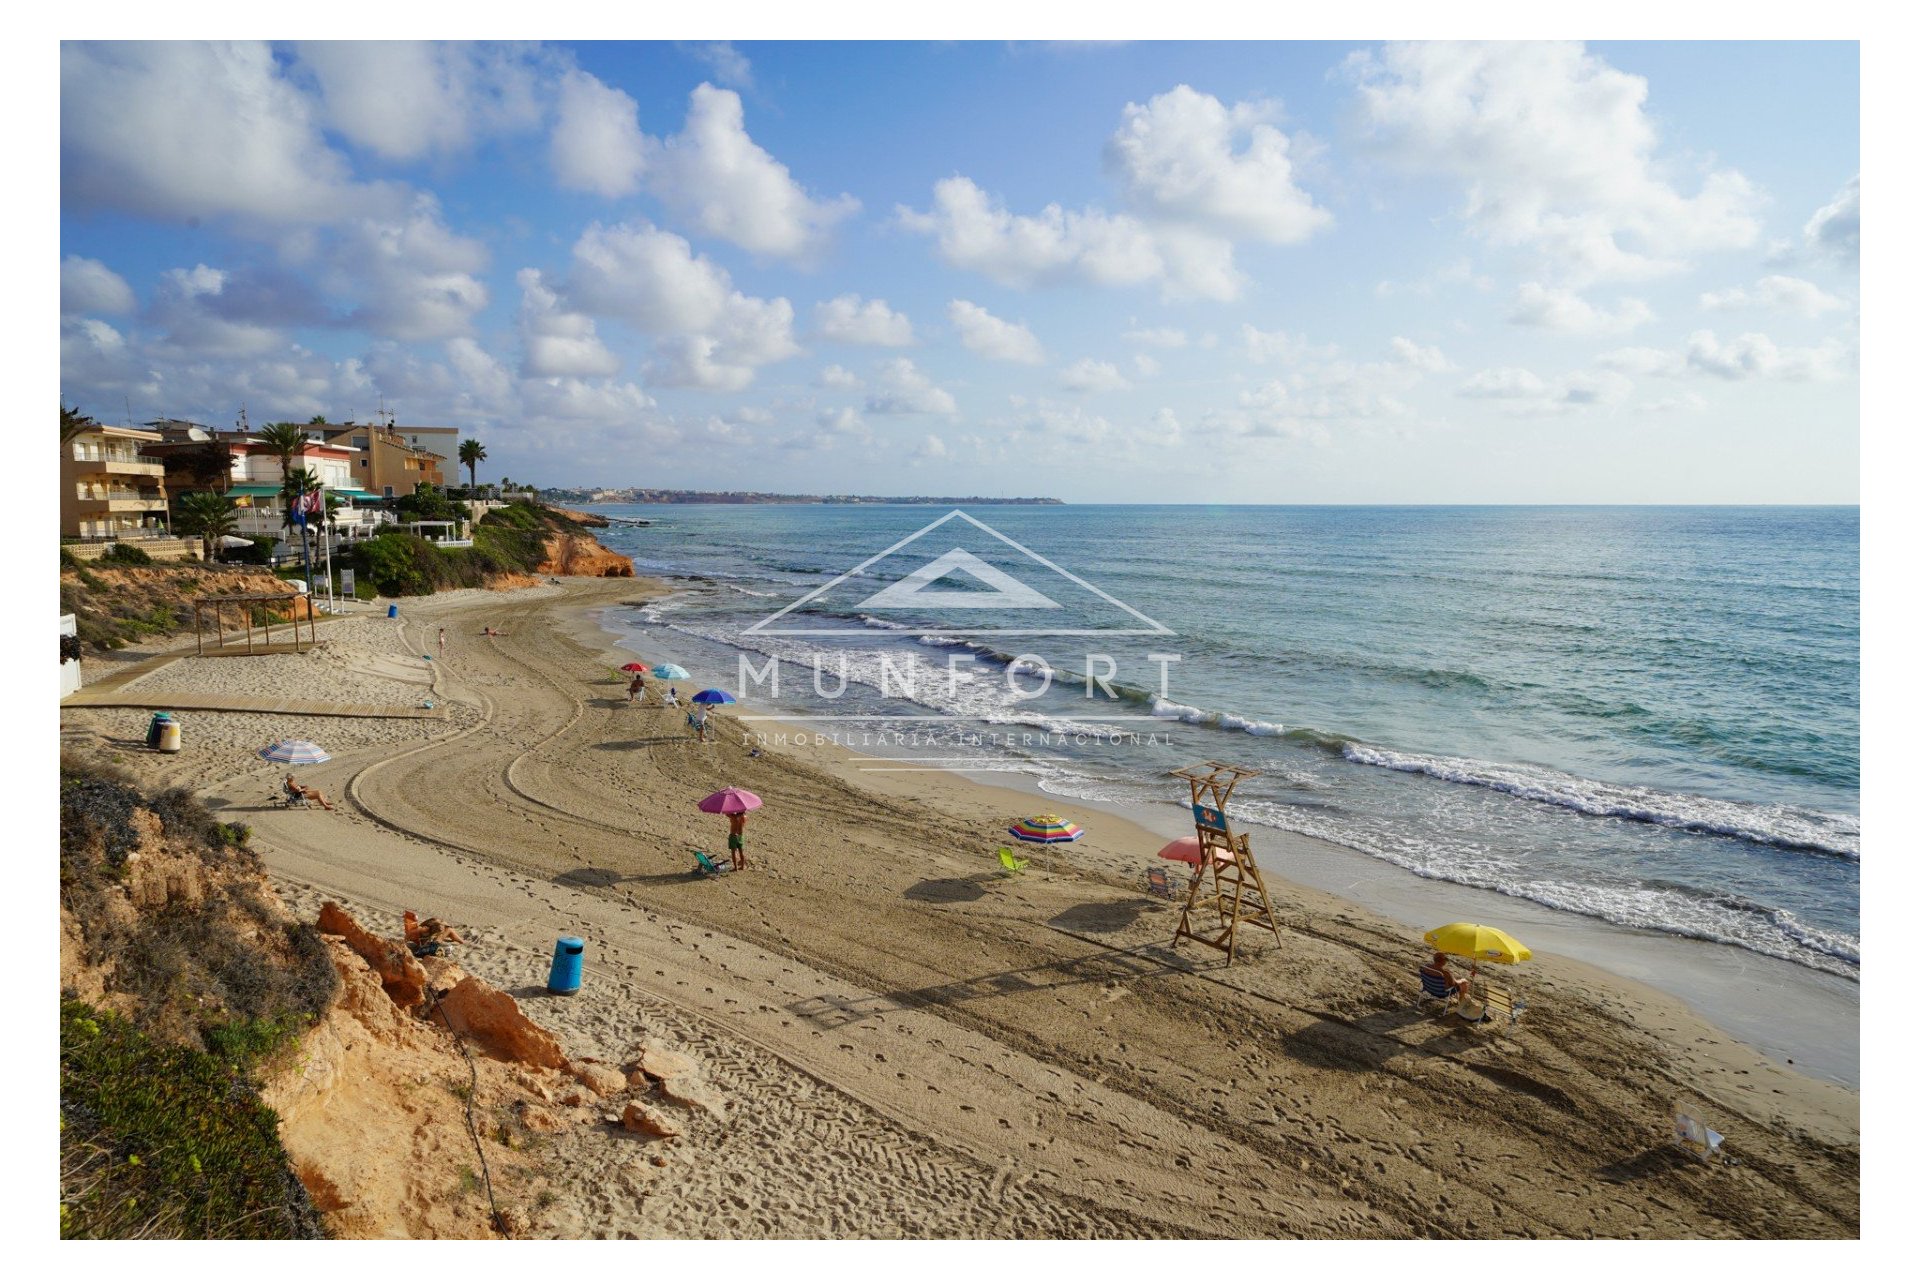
x: 1478, y: 942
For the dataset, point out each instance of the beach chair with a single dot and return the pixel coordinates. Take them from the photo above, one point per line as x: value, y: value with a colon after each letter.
x: 1501, y: 1010
x: 1159, y: 884
x: 1011, y: 865
x: 1435, y: 987
x: 1692, y: 1136
x: 286, y: 799
x: 706, y: 866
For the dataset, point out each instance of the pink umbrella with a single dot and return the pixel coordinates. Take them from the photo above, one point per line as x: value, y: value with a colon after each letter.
x: 1187, y: 849
x: 730, y: 800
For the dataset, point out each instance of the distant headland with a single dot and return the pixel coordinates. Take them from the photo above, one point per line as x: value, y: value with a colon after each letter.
x: 739, y: 497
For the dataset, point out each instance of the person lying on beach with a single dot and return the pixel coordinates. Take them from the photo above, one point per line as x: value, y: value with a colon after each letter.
x: 1437, y: 967
x: 313, y: 795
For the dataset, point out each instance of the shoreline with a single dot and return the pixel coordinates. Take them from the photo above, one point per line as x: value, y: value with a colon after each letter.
x: 1027, y: 1047
x: 1801, y: 1018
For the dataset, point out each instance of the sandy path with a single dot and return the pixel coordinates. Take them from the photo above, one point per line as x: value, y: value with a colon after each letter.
x: 1036, y: 1029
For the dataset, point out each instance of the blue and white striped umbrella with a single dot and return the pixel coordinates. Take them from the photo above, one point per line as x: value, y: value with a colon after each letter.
x: 295, y: 751
x: 667, y: 671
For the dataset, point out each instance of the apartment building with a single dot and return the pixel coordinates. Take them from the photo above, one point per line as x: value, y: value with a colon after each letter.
x: 393, y: 461
x: 108, y: 490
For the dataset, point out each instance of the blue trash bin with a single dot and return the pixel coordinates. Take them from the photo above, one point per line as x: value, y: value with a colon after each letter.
x: 393, y: 611
x: 564, y: 978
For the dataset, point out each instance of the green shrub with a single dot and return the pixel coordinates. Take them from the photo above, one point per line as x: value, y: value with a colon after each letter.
x: 163, y: 1142
x: 125, y: 553
x: 67, y: 560
x: 261, y: 552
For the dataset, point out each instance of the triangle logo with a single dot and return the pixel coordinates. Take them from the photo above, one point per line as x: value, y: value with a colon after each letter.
x: 969, y: 594
x: 919, y: 589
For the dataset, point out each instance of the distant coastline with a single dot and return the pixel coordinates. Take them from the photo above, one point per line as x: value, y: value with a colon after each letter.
x: 743, y: 498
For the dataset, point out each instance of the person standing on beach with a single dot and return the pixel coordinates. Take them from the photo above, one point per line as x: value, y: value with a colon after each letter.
x: 698, y: 719
x: 736, y: 836
x: 443, y: 644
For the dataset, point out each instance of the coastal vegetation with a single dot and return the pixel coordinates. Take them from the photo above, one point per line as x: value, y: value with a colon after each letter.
x: 181, y: 980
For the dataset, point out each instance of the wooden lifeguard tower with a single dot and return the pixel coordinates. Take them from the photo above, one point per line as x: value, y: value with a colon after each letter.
x: 1226, y: 887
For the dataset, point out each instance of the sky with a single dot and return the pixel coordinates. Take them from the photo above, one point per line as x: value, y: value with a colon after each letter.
x: 1104, y: 272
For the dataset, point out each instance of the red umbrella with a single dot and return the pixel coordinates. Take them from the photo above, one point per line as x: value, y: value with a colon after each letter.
x: 730, y: 800
x: 635, y: 666
x: 1187, y: 849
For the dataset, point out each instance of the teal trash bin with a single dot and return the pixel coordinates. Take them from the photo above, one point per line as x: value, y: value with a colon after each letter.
x: 393, y: 611
x: 156, y: 726
x: 568, y: 955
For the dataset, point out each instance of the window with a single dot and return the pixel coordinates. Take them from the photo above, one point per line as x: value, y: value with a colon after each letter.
x: 360, y: 442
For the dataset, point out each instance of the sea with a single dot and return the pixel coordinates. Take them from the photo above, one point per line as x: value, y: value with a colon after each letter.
x: 1648, y: 716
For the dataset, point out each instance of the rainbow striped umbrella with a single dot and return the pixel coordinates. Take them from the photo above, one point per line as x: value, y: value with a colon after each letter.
x: 1045, y: 828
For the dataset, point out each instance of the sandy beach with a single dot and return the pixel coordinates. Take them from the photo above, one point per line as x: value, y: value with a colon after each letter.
x: 911, y: 1044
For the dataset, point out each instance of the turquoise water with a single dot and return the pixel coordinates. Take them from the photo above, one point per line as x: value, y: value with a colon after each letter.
x: 1644, y: 715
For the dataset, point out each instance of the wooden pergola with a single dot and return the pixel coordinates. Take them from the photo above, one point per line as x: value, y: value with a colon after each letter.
x: 1226, y: 882
x: 246, y: 603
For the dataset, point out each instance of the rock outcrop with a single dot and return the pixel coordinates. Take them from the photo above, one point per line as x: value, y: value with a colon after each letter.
x: 402, y: 975
x: 579, y: 555
x: 492, y: 1019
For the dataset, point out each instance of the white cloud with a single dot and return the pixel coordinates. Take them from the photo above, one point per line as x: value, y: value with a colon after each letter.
x: 1187, y: 157
x: 729, y: 66
x: 871, y: 323
x: 1194, y: 174
x: 1566, y: 311
x: 188, y: 306
x: 1458, y: 272
x: 1686, y: 402
x: 713, y: 175
x: 1556, y: 153
x: 1425, y: 359
x: 404, y: 99
x: 597, y: 143
x: 976, y: 233
x: 1750, y: 356
x: 710, y: 334
x: 415, y: 277
x: 900, y: 387
x: 931, y: 447
x: 558, y: 342
x: 1144, y: 365
x: 1524, y: 393
x: 1754, y: 355
x: 485, y: 381
x: 987, y: 335
x: 90, y: 287
x: 837, y: 378
x: 1265, y: 346
x: 1775, y: 293
x: 1170, y: 339
x: 180, y: 130
x: 1093, y: 375
x: 1834, y: 229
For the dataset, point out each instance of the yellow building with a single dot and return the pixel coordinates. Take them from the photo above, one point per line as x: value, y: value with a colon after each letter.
x: 390, y: 464
x: 107, y: 490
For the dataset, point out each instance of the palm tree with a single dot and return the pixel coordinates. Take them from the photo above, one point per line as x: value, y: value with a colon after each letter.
x: 472, y: 454
x: 288, y: 441
x: 210, y: 515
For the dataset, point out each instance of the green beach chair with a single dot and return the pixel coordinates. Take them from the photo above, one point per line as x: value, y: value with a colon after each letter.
x: 707, y: 866
x: 1011, y: 865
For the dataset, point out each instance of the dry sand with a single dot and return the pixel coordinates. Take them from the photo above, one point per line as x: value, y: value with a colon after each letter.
x: 909, y: 1044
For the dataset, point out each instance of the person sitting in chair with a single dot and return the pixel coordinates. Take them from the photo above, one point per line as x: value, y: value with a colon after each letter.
x: 311, y: 795
x: 1437, y: 968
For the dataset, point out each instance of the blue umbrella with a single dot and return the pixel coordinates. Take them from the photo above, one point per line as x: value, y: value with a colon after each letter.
x: 295, y: 751
x: 713, y: 695
x: 667, y: 671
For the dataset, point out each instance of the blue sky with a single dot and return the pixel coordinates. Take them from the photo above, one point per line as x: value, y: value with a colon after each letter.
x: 1255, y: 272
